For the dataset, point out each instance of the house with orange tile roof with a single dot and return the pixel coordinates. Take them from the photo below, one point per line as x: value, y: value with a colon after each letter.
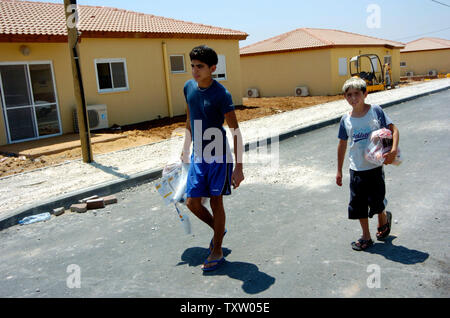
x: 133, y: 66
x: 425, y: 56
x: 315, y: 60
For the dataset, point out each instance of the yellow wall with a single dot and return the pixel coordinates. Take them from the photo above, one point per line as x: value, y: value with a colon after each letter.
x: 278, y: 74
x: 55, y: 53
x: 420, y: 63
x: 146, y: 98
x: 336, y: 53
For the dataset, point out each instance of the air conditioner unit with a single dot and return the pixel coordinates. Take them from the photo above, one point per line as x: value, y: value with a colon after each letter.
x: 252, y: 93
x: 97, y: 115
x: 432, y: 73
x: 301, y: 91
x: 409, y: 74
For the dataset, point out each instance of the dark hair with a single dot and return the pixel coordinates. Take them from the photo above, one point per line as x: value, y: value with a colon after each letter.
x: 204, y: 54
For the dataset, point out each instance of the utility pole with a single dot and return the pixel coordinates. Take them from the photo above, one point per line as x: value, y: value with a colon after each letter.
x: 70, y: 7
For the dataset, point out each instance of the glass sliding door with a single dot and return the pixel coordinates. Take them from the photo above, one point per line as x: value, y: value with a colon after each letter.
x: 17, y: 101
x: 44, y: 99
x: 29, y: 99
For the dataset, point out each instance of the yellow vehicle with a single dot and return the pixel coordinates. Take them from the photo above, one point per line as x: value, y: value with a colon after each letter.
x: 369, y: 68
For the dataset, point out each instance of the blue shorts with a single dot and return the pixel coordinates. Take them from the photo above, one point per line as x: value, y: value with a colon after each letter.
x: 209, y: 179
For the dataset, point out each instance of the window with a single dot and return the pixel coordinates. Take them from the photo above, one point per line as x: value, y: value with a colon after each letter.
x: 177, y: 64
x: 402, y: 64
x: 375, y: 63
x: 343, y: 66
x: 388, y: 59
x: 221, y: 72
x: 111, y: 75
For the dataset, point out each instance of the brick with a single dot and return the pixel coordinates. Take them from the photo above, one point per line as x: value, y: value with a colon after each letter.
x: 111, y: 199
x: 58, y: 211
x: 95, y: 204
x: 80, y: 208
x: 89, y: 198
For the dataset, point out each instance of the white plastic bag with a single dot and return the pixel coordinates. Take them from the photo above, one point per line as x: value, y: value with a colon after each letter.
x: 172, y: 188
x: 381, y: 143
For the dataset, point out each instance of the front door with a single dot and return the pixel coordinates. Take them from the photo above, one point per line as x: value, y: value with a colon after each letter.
x: 29, y: 101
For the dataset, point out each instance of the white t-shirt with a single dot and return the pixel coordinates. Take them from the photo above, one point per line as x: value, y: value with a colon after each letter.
x: 358, y: 131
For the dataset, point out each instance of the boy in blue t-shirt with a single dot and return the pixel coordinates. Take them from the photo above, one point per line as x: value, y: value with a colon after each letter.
x: 211, y: 171
x: 367, y: 186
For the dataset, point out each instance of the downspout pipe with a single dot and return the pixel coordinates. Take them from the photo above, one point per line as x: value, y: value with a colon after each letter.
x: 168, y: 86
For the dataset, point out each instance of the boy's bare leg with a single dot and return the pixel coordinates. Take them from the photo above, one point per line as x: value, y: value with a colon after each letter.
x: 196, y: 207
x: 382, y: 218
x: 219, y: 229
x: 365, y: 229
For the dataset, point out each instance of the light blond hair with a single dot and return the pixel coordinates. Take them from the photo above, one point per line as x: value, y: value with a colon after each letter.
x: 356, y: 83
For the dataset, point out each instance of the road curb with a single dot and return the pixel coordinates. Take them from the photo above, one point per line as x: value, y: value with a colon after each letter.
x: 115, y: 186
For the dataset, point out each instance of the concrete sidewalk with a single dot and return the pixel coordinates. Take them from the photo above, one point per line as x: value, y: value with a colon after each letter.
x: 61, y: 185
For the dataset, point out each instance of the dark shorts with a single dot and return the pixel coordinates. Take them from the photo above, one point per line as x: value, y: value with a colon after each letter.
x: 367, y: 193
x: 209, y: 179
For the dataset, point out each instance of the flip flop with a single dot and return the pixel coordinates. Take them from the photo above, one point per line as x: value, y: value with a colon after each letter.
x: 362, y: 245
x: 218, y: 263
x: 211, y: 244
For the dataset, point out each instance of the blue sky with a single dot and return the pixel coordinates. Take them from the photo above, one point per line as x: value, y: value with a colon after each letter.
x: 400, y: 20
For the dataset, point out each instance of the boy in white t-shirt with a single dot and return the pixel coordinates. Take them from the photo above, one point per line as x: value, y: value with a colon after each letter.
x: 367, y: 186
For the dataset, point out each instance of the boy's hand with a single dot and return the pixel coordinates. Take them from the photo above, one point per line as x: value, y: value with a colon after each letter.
x: 237, y: 177
x: 389, y: 157
x: 339, y: 178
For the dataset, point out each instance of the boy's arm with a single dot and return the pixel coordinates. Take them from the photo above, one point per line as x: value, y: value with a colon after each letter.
x: 187, y: 139
x: 342, y: 149
x: 391, y: 155
x: 233, y: 125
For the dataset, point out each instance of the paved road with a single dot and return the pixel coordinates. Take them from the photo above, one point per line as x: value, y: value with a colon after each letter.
x: 288, y: 232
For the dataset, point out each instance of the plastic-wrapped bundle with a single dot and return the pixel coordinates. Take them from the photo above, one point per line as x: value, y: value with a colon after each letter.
x: 172, y: 188
x: 381, y: 143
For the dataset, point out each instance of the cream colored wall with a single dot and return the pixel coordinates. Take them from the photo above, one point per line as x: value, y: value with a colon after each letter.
x: 420, y: 63
x: 56, y: 53
x: 279, y: 74
x: 336, y: 53
x: 146, y: 98
x: 223, y: 47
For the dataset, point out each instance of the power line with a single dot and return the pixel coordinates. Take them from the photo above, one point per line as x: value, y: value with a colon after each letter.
x: 412, y: 36
x: 444, y: 4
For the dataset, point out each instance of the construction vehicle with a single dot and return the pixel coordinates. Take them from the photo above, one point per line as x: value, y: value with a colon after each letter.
x: 369, y: 68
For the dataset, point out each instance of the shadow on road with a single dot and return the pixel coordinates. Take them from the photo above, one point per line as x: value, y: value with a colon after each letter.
x: 109, y: 169
x: 253, y: 280
x: 399, y: 254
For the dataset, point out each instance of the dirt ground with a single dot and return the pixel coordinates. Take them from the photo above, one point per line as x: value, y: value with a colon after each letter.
x: 150, y: 132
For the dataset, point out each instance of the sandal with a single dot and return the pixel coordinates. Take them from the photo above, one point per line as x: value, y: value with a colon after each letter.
x: 385, y: 230
x: 362, y: 245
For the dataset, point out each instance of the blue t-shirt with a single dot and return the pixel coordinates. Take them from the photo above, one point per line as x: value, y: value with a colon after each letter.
x: 358, y: 130
x: 207, y: 109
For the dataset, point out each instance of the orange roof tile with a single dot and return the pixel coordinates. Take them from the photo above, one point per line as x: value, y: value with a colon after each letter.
x: 308, y: 38
x: 426, y: 44
x: 27, y: 18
